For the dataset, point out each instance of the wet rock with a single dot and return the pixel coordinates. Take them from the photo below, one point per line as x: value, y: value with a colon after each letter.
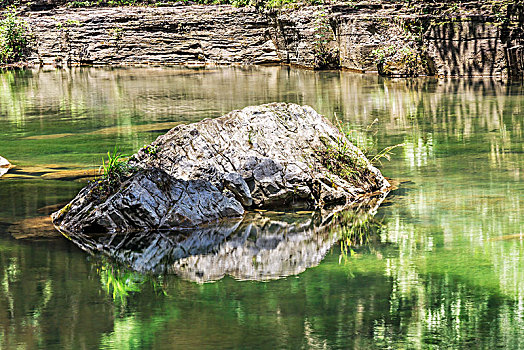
x: 261, y: 156
x: 4, y: 165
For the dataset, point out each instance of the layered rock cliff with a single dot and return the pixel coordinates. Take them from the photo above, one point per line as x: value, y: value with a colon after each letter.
x: 470, y: 40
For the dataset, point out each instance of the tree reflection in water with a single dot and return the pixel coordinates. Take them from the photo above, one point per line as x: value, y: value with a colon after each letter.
x: 445, y: 270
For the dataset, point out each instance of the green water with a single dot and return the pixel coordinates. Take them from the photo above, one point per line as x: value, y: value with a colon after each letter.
x: 446, y: 270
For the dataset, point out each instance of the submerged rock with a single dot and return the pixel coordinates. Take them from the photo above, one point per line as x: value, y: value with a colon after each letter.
x: 258, y: 157
x: 4, y: 165
x: 68, y: 175
x: 39, y: 227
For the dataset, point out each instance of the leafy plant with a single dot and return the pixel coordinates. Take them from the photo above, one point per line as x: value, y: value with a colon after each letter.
x: 68, y: 24
x: 73, y: 22
x: 381, y: 54
x: 116, y: 33
x: 384, y: 154
x: 406, y: 55
x: 366, y: 141
x: 403, y: 60
x: 341, y: 158
x: 80, y: 4
x: 151, y: 150
x: 15, y: 38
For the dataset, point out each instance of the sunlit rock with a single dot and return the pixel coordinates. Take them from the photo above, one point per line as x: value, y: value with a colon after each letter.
x: 148, y: 200
x: 258, y: 157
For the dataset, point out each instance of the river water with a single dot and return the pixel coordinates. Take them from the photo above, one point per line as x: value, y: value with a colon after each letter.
x: 443, y: 268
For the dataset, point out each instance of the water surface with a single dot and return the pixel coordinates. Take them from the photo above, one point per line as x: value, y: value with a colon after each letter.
x: 444, y: 269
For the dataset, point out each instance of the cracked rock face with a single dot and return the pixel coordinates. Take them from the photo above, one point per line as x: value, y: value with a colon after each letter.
x: 259, y: 157
x: 149, y: 200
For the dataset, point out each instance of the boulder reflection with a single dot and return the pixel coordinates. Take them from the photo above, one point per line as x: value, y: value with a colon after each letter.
x: 261, y: 246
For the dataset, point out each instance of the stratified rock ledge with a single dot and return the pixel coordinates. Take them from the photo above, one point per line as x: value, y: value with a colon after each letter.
x: 258, y: 157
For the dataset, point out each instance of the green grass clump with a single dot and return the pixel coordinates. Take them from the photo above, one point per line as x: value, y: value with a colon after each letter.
x: 340, y: 159
x: 113, y: 172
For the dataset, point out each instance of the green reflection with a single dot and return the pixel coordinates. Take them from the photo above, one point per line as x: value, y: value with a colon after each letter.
x: 359, y: 228
x: 120, y: 283
x: 444, y: 271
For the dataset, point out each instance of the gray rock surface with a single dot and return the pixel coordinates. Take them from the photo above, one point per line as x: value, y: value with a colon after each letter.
x: 148, y: 200
x: 420, y: 38
x: 261, y: 156
x: 4, y: 165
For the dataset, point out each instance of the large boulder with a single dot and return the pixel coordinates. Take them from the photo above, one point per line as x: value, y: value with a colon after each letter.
x: 272, y: 155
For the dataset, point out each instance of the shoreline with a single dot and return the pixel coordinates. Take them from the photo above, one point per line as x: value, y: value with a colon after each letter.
x: 48, y: 67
